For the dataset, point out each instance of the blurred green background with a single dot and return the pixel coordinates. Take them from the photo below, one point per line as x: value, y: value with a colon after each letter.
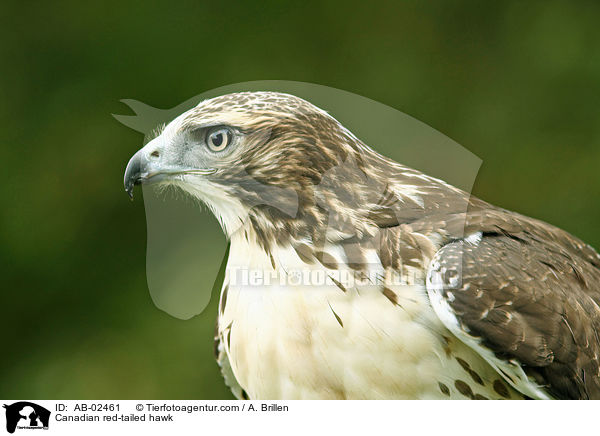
x: 516, y: 83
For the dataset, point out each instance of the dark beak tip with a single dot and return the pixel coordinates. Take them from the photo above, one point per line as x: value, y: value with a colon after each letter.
x: 132, y: 174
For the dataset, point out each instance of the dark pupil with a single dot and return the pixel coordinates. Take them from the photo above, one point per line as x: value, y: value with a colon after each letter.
x: 217, y: 139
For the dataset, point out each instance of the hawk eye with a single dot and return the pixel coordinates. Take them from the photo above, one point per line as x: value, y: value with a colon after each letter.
x: 218, y: 139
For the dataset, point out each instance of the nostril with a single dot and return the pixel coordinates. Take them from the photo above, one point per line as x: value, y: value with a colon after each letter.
x: 155, y: 153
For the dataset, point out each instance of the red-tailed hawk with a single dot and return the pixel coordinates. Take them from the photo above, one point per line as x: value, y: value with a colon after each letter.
x: 352, y: 276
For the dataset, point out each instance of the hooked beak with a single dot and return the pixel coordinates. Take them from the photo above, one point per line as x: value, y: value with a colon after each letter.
x: 133, y: 173
x: 141, y: 170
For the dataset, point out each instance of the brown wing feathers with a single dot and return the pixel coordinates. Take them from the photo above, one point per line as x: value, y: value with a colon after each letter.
x: 530, y: 292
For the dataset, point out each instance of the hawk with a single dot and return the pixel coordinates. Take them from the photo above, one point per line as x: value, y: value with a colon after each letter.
x: 351, y: 276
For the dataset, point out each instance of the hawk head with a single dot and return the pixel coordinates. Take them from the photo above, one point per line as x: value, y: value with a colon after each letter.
x: 263, y: 158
